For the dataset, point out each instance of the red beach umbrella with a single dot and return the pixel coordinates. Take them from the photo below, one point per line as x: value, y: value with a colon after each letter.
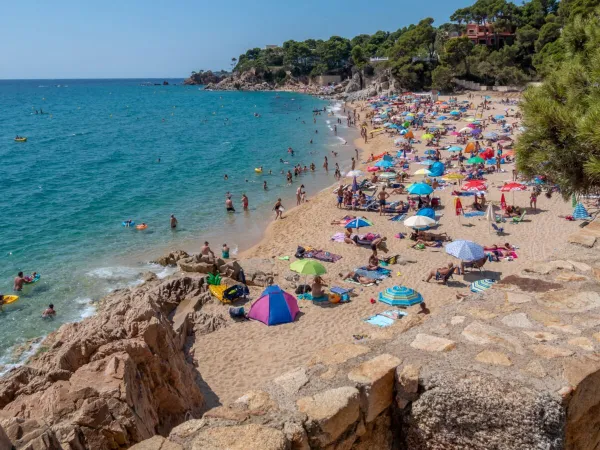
x: 474, y: 185
x: 512, y: 187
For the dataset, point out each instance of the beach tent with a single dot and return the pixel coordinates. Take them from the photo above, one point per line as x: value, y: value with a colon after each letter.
x: 427, y: 212
x: 580, y: 213
x: 274, y: 307
x: 437, y: 169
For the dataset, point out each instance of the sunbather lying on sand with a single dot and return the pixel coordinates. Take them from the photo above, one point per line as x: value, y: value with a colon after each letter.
x: 343, y: 221
x: 422, y: 244
x: 349, y: 237
x: 426, y: 236
x: 440, y: 273
x: 356, y: 277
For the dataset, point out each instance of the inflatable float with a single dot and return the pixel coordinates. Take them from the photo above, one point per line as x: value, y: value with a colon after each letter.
x: 22, y: 139
x: 258, y: 169
x: 132, y: 223
x: 33, y: 280
x: 141, y: 227
x: 8, y: 299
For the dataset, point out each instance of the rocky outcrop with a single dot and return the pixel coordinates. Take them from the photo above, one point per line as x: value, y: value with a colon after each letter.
x: 171, y: 258
x: 110, y: 381
x: 204, y: 78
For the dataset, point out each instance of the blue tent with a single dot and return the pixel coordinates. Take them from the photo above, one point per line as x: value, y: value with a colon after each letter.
x: 437, y: 169
x: 427, y: 212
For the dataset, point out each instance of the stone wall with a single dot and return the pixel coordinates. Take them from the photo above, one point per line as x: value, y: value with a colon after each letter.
x: 514, y: 368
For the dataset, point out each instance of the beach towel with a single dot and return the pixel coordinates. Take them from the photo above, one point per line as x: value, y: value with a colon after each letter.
x: 350, y: 280
x: 322, y: 255
x: 379, y: 274
x: 379, y: 321
x: 338, y: 237
x: 398, y: 218
x: 394, y: 314
x: 474, y: 213
x: 323, y: 298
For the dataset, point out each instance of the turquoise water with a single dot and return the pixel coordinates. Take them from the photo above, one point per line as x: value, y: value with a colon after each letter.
x: 91, y: 161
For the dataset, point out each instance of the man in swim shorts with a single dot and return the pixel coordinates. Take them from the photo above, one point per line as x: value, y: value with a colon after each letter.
x: 229, y: 205
x: 382, y: 198
x: 19, y: 280
x: 49, y: 312
x: 205, y: 250
x: 173, y: 221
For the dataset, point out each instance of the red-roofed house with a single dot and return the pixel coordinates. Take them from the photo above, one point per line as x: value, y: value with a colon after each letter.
x: 485, y: 35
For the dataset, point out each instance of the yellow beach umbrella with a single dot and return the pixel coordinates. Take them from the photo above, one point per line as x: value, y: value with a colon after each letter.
x: 453, y: 176
x: 427, y: 136
x: 423, y: 172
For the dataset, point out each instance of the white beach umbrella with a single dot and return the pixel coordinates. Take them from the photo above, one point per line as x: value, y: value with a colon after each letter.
x: 354, y: 173
x: 419, y: 222
x: 490, y: 216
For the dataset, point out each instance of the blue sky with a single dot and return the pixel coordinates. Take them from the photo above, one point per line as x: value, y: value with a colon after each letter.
x: 135, y: 38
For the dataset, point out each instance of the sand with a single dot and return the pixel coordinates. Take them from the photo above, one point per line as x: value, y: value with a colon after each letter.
x: 245, y: 355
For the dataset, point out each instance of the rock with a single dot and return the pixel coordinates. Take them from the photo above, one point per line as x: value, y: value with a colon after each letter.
x: 541, y: 336
x: 338, y: 354
x: 582, y: 342
x: 330, y: 373
x: 111, y: 380
x: 582, y: 267
x: 375, y: 378
x: 189, y: 265
x: 254, y: 401
x: 259, y: 271
x: 432, y: 343
x: 587, y: 321
x: 4, y: 441
x: 549, y: 351
x: 576, y: 370
x: 407, y: 384
x: 242, y: 437
x: 569, y: 329
x: 495, y: 358
x: 585, y: 240
x: 596, y: 336
x: 457, y: 320
x: 570, y: 277
x: 481, y: 334
x: 172, y: 258
x: 354, y: 84
x: 149, y: 276
x: 546, y: 268
x: 331, y: 413
x: 536, y: 369
x: 156, y: 443
x: 230, y: 269
x: 517, y: 320
x: 570, y: 302
x: 291, y: 382
x: 483, y: 314
x: 517, y: 297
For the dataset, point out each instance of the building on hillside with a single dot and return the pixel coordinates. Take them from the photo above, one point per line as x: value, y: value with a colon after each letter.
x: 377, y: 59
x: 485, y: 35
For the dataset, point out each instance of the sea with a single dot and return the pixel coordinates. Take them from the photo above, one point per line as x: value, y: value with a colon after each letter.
x: 99, y: 152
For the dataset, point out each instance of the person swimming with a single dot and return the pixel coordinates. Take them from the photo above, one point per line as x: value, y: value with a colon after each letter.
x: 49, y: 312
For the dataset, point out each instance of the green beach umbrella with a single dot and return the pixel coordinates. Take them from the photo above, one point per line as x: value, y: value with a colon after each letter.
x: 308, y: 267
x: 475, y: 160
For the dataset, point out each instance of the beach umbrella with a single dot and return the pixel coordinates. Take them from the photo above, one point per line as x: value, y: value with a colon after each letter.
x: 354, y: 174
x: 427, y: 136
x: 502, y: 202
x: 387, y: 175
x: 403, y: 132
x: 406, y: 124
x: 419, y: 222
x: 481, y: 285
x: 475, y: 160
x: 382, y: 164
x: 465, y: 130
x: 455, y: 113
x: 465, y: 250
x: 487, y: 153
x: 359, y: 222
x: 424, y: 172
x: 309, y: 266
x: 426, y: 212
x: 474, y: 185
x: 458, y: 206
x: 442, y: 118
x: 490, y: 216
x: 274, y: 307
x: 387, y: 158
x: 512, y: 187
x: 490, y: 135
x: 475, y: 131
x: 580, y: 213
x: 455, y: 148
x: 499, y: 117
x: 420, y: 189
x: 354, y: 185
x: 454, y: 176
x: 430, y: 152
x: 400, y: 296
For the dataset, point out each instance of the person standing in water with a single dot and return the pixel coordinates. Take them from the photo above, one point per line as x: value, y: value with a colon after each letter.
x: 49, y: 312
x: 229, y: 205
x: 19, y: 280
x: 225, y: 252
x: 245, y: 201
x: 299, y: 193
x: 265, y: 185
x: 353, y: 163
x: 173, y: 221
x: 278, y: 208
x: 326, y: 165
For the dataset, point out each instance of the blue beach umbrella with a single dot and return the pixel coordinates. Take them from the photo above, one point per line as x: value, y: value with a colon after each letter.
x: 580, y: 213
x: 427, y: 212
x: 455, y: 148
x: 465, y: 250
x: 455, y: 113
x: 387, y: 158
x: 359, y: 222
x: 384, y: 164
x: 420, y: 189
x: 490, y: 135
x: 430, y: 152
x: 442, y: 118
x: 426, y: 162
x: 400, y: 296
x: 499, y: 117
x: 481, y: 285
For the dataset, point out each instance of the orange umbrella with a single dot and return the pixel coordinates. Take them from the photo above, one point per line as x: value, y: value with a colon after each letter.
x: 470, y: 148
x: 409, y: 135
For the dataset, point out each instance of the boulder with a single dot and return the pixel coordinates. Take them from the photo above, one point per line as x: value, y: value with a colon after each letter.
x: 432, y: 343
x: 242, y: 437
x: 171, y: 258
x: 259, y: 271
x: 230, y: 269
x: 4, y: 441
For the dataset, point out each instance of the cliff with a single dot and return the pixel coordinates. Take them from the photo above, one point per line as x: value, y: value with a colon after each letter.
x: 204, y: 78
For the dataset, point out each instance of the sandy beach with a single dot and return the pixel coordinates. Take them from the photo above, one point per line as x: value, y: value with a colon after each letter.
x: 244, y: 355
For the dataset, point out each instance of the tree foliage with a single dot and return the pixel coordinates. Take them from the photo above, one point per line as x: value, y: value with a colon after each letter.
x: 562, y: 137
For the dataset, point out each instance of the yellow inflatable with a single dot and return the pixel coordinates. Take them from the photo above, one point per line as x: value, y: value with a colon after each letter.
x: 258, y: 170
x: 141, y: 227
x: 21, y: 139
x: 8, y: 299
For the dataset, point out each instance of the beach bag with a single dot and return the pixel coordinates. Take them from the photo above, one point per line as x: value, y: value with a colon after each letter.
x: 303, y: 289
x: 300, y: 251
x: 236, y: 312
x: 234, y: 292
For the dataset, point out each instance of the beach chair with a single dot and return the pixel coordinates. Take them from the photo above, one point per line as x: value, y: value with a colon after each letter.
x: 344, y: 293
x: 478, y: 264
x: 519, y: 219
x: 497, y: 229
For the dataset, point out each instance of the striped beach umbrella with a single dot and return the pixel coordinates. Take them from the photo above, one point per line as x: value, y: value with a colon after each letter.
x: 475, y: 160
x: 580, y: 213
x: 400, y: 296
x: 359, y: 222
x: 481, y: 285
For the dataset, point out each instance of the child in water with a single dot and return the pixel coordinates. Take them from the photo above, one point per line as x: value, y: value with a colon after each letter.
x: 225, y: 252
